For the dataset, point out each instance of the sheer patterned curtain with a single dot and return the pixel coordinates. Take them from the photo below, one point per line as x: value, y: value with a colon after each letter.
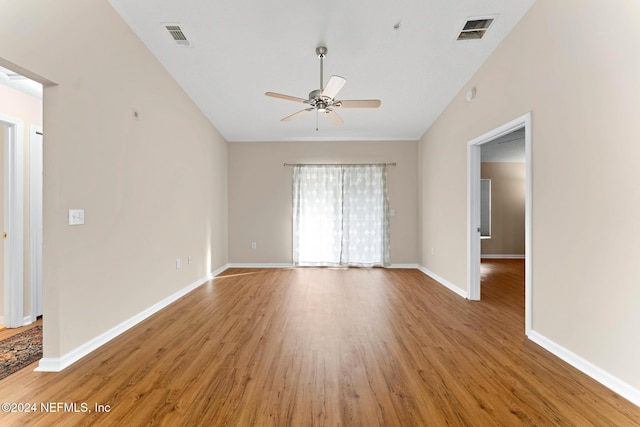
x: 340, y: 216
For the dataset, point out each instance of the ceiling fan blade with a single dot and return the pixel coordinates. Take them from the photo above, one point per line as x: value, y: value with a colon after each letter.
x: 333, y: 86
x: 294, y: 115
x: 334, y: 117
x: 361, y: 103
x: 287, y: 97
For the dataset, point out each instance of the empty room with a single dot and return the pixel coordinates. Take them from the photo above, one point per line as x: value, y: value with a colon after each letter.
x: 263, y: 213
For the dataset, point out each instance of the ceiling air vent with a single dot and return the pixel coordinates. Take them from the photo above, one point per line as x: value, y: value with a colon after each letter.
x: 475, y: 29
x: 177, y: 34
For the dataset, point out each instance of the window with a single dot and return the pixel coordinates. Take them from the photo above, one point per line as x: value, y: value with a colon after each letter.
x: 340, y: 215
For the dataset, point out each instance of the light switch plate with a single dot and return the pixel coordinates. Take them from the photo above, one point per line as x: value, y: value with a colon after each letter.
x: 76, y: 216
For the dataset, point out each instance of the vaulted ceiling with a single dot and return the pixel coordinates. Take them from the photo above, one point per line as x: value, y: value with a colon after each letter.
x: 404, y: 53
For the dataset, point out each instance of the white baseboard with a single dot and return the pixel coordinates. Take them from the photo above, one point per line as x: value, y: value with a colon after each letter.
x: 603, y: 377
x: 502, y: 256
x: 57, y: 364
x: 443, y: 282
x: 409, y: 266
x: 258, y: 265
x: 282, y: 265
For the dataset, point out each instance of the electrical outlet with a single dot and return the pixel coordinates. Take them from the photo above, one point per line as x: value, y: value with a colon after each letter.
x: 254, y: 245
x: 76, y: 216
x: 178, y: 264
x: 189, y: 260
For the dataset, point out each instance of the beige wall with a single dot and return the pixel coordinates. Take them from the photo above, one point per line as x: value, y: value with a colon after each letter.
x: 27, y: 108
x: 568, y: 63
x: 260, y: 194
x: 507, y: 208
x: 153, y: 188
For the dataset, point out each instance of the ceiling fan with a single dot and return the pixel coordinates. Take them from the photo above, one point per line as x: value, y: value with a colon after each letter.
x: 323, y: 100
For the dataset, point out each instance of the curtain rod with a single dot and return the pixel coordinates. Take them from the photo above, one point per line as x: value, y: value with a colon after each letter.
x: 339, y: 164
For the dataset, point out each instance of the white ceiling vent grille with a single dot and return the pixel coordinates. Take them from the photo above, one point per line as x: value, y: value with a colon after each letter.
x: 475, y: 28
x: 177, y: 34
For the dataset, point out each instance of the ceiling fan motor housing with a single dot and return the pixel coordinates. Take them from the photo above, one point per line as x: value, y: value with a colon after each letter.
x: 315, y: 95
x: 317, y: 100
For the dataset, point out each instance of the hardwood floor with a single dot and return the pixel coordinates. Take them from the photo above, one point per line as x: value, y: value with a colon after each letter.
x: 334, y: 347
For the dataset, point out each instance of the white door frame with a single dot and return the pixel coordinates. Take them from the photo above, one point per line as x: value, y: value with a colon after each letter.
x: 473, y: 213
x: 35, y: 219
x: 13, y: 221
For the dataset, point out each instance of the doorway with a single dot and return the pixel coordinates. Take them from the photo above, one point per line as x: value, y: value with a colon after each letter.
x: 474, y: 209
x: 20, y: 124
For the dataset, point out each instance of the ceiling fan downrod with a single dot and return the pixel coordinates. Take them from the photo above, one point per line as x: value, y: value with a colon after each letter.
x: 321, y: 51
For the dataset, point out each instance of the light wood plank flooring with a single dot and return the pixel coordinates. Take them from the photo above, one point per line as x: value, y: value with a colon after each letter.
x: 332, y: 347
